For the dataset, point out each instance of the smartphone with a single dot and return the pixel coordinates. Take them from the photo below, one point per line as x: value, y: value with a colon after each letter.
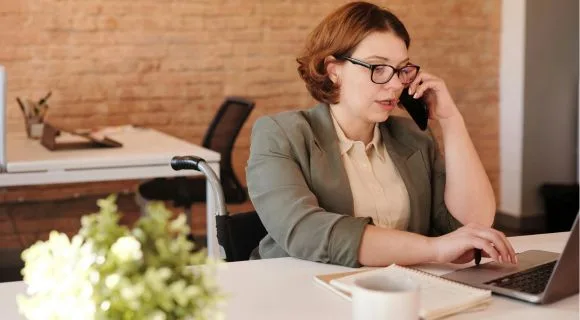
x: 416, y: 108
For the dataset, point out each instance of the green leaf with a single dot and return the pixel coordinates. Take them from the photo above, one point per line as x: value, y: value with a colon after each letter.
x: 109, y: 271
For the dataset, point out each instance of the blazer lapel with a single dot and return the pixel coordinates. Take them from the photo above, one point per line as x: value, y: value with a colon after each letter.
x: 335, y: 178
x: 407, y: 159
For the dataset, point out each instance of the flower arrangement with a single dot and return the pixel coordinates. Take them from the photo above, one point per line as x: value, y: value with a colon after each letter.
x: 108, y: 271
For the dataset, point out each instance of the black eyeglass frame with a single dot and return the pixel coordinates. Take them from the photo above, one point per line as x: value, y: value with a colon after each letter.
x: 372, y: 67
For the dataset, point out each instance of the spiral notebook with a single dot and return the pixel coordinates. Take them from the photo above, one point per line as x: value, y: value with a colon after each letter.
x: 438, y: 297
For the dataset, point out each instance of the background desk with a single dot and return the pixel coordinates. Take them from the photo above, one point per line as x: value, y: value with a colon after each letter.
x: 284, y: 289
x: 146, y: 153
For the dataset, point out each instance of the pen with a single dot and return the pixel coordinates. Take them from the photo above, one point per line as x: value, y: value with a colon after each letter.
x: 477, y: 256
x: 43, y: 100
x: 22, y: 108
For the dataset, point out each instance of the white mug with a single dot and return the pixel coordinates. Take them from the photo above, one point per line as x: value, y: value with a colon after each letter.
x: 383, y: 297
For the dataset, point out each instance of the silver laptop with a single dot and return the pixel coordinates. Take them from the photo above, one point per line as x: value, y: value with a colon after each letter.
x: 539, y: 277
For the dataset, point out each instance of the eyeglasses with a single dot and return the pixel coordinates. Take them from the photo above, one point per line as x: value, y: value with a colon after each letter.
x: 382, y: 73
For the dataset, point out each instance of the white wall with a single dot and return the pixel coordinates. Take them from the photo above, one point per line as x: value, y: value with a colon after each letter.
x: 550, y: 98
x: 511, y: 104
x: 538, y: 101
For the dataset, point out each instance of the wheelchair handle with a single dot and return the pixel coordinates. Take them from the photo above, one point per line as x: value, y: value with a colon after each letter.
x: 199, y: 164
x: 186, y: 162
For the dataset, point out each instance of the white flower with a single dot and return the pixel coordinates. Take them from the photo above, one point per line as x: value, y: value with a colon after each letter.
x: 105, y: 305
x: 127, y: 249
x: 179, y: 223
x: 157, y: 315
x: 57, y: 273
x: 101, y: 273
x: 112, y: 280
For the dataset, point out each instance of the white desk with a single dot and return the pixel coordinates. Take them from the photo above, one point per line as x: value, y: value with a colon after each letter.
x: 146, y: 153
x: 284, y: 289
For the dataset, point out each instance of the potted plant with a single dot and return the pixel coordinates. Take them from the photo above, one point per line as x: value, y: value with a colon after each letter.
x: 111, y: 271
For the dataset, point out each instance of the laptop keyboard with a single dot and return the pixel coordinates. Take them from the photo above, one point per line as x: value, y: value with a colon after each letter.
x: 532, y: 281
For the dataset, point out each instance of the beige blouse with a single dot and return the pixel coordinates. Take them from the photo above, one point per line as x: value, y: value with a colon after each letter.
x: 377, y: 188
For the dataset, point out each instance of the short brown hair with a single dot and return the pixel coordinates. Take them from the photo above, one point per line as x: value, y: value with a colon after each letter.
x: 338, y: 35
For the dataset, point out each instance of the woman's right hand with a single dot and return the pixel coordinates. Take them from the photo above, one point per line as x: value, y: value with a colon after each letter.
x: 458, y: 246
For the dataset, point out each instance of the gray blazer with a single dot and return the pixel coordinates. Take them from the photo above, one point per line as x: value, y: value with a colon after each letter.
x: 299, y: 187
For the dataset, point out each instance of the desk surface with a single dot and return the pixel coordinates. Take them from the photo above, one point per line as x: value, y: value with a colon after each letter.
x: 145, y: 154
x: 284, y: 289
x: 141, y: 146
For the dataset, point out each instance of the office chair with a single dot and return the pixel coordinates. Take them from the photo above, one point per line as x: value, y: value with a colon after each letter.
x: 238, y: 234
x: 220, y: 137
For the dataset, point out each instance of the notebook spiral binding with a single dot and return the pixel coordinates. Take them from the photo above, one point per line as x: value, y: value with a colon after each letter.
x: 439, y: 278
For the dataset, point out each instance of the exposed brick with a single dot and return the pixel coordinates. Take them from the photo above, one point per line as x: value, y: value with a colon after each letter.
x: 13, y: 7
x: 169, y: 64
x: 5, y: 225
x: 28, y: 239
x: 10, y: 241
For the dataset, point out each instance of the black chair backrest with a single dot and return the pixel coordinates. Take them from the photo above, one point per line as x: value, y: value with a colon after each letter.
x: 239, y: 234
x: 226, y: 125
x: 221, y: 136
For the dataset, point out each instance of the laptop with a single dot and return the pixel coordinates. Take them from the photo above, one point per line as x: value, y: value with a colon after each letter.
x: 540, y: 276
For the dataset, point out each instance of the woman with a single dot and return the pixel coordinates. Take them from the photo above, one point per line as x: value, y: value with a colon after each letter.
x: 347, y: 183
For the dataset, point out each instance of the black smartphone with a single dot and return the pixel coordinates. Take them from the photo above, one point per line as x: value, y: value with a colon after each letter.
x: 416, y: 108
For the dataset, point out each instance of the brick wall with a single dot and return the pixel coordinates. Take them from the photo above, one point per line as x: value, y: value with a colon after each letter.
x: 168, y: 64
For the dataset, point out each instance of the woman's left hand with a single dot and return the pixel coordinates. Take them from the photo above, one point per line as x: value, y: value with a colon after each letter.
x: 434, y: 92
